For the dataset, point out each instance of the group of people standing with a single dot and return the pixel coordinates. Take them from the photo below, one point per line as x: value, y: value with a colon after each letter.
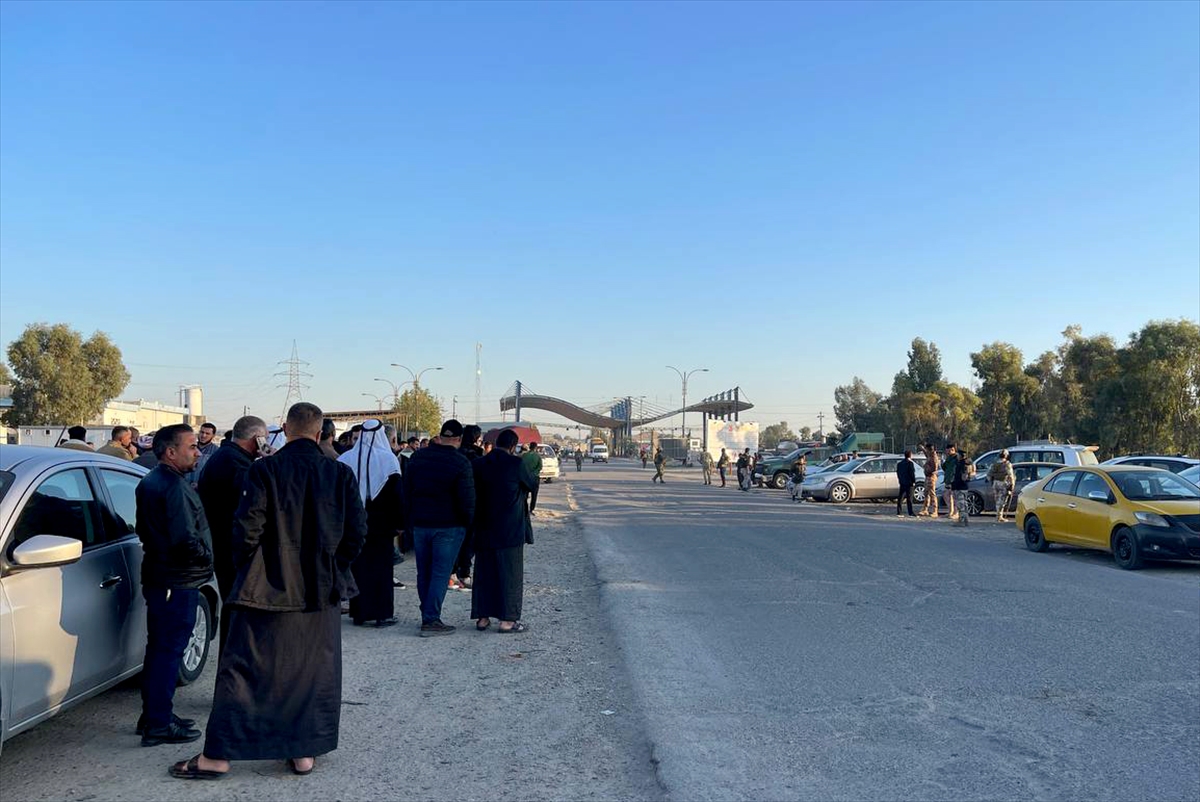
x: 292, y: 531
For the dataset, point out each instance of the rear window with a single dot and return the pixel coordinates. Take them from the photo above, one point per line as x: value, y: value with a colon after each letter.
x: 6, y: 481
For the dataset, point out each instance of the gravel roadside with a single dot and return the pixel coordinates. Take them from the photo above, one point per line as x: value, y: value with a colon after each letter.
x: 548, y: 714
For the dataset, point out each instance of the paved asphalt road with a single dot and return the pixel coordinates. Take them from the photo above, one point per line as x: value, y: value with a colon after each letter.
x: 784, y: 651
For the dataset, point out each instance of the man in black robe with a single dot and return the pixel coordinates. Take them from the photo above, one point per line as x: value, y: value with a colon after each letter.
x: 220, y: 488
x: 503, y: 482
x: 472, y: 449
x: 296, y: 533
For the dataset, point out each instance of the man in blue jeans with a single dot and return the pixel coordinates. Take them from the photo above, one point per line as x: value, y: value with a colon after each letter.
x: 177, y: 559
x: 439, y: 488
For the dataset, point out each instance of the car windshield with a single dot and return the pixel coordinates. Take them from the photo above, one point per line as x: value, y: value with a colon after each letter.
x: 847, y: 467
x: 6, y: 481
x: 1153, y: 486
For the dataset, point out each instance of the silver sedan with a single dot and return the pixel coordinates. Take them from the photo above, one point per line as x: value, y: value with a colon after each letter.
x: 870, y: 478
x: 72, y: 617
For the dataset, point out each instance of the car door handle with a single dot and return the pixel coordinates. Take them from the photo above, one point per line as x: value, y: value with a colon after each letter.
x: 110, y: 581
x: 1041, y: 501
x: 1071, y: 506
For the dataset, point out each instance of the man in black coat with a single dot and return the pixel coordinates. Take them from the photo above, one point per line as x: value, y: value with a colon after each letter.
x: 503, y: 481
x: 220, y: 488
x: 472, y: 449
x: 440, y: 490
x: 906, y: 472
x: 278, y: 689
x: 177, y: 560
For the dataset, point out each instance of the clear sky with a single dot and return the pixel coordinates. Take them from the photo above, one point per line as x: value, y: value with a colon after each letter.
x: 784, y: 193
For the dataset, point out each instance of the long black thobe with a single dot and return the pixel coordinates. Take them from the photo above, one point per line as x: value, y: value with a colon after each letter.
x: 502, y: 484
x: 278, y: 689
x: 373, y: 566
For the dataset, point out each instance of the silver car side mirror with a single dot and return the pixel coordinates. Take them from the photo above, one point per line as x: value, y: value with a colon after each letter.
x: 1098, y: 495
x: 43, y: 551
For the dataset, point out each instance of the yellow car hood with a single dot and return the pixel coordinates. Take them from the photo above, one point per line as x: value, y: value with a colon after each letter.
x: 1181, y: 507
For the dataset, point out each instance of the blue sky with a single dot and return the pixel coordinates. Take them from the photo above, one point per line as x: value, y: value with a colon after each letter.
x: 784, y: 193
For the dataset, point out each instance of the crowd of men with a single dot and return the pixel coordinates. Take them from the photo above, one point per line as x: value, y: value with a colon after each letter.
x: 293, y: 524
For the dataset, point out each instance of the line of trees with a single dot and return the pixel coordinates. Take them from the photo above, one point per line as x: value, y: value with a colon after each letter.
x: 1142, y: 396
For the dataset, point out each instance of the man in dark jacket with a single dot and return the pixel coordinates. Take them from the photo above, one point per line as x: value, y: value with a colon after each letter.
x: 906, y: 472
x: 220, y: 488
x: 472, y: 449
x: 502, y: 528
x: 278, y: 690
x: 176, y: 560
x: 440, y: 490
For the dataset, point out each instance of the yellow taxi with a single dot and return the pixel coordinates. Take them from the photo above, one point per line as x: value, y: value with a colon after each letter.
x: 1134, y: 513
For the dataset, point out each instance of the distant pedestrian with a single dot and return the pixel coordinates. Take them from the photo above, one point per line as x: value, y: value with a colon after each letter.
x: 1003, y: 480
x: 502, y: 483
x: 706, y: 464
x: 743, y: 470
x: 964, y: 469
x: 177, y: 559
x: 723, y: 466
x: 439, y: 490
x: 118, y: 446
x: 77, y: 439
x: 930, y: 468
x: 221, y: 487
x: 377, y: 472
x: 906, y: 472
x: 949, y: 466
x: 796, y: 480
x: 578, y: 460
x: 146, y: 446
x: 660, y: 463
x: 299, y: 527
x: 645, y: 457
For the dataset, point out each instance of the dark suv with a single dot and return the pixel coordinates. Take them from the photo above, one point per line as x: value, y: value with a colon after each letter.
x: 774, y: 471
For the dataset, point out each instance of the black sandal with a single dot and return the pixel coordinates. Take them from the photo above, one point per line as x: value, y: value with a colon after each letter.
x: 292, y: 765
x: 482, y: 627
x: 190, y: 770
x: 517, y: 627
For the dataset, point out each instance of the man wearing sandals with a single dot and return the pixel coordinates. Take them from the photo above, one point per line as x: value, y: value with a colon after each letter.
x: 278, y: 691
x: 502, y: 528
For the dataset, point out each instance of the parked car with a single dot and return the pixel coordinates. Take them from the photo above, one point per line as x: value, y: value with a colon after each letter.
x: 773, y: 471
x: 550, y: 464
x: 1191, y: 474
x: 1175, y: 464
x: 1055, y: 453
x: 1133, y: 512
x: 872, y: 477
x: 981, y: 499
x: 72, y: 617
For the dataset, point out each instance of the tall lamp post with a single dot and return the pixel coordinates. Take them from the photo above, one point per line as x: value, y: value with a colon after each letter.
x: 683, y: 377
x: 377, y: 398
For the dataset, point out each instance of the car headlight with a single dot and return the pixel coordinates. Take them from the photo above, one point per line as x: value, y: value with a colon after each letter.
x: 1152, y: 519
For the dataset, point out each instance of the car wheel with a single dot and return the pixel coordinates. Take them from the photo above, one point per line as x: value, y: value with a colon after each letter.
x: 195, y: 654
x: 779, y: 480
x: 919, y: 494
x: 840, y: 493
x: 1125, y: 549
x: 975, y: 503
x: 1035, y: 539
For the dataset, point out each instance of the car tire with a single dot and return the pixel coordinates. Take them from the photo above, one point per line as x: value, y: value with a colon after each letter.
x: 195, y: 654
x: 779, y: 480
x: 1035, y: 538
x: 840, y: 493
x: 1127, y: 553
x: 975, y: 503
x: 919, y: 494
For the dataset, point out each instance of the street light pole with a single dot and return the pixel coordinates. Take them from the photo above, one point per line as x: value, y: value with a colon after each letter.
x: 377, y: 398
x: 683, y: 377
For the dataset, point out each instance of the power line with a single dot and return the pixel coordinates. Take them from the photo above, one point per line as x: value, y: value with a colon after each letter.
x: 295, y: 387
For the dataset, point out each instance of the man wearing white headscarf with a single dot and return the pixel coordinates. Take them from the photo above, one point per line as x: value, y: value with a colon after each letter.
x: 378, y: 473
